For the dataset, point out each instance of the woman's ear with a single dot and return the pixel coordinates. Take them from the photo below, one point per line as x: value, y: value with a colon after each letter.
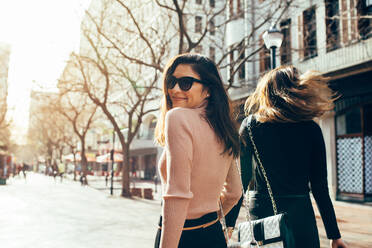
x: 207, y: 93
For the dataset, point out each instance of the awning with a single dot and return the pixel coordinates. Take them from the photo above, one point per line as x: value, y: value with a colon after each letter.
x: 91, y: 157
x: 70, y: 157
x: 105, y: 158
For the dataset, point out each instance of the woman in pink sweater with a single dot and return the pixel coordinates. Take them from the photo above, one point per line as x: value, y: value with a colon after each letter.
x: 197, y: 165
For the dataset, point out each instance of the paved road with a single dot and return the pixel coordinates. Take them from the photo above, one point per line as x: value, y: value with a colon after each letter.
x: 46, y: 213
x: 42, y: 213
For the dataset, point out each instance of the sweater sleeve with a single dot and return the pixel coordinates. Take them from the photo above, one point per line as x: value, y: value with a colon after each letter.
x: 177, y: 195
x: 319, y: 186
x: 246, y: 172
x: 232, y: 191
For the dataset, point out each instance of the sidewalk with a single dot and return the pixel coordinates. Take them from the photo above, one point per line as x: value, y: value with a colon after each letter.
x: 42, y: 212
x: 99, y: 183
x: 354, y: 222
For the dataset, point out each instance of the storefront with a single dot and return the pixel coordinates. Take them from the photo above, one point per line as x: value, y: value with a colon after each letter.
x: 6, y: 167
x: 143, y: 162
x: 353, y: 134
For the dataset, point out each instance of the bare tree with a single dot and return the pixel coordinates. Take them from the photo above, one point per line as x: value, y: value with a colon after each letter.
x: 47, y: 135
x: 80, y: 112
x: 124, y: 110
x: 182, y: 37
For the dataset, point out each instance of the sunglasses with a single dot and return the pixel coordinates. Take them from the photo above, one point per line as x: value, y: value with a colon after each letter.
x: 185, y: 83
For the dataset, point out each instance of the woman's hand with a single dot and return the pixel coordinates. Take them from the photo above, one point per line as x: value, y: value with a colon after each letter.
x: 338, y: 243
x: 230, y: 231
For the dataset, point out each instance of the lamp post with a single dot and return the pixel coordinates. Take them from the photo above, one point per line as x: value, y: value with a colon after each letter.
x: 273, y: 39
x: 112, y: 163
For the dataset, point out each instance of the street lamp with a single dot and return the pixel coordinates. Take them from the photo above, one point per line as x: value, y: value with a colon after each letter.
x: 112, y: 156
x: 273, y: 39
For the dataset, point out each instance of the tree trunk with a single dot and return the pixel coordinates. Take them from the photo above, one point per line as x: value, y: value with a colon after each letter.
x: 75, y: 166
x: 125, y: 192
x: 84, y: 162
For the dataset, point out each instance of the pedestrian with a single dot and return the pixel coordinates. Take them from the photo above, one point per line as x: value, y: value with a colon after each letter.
x: 55, y: 171
x: 200, y: 143
x: 61, y: 169
x: 83, y: 179
x: 24, y: 168
x: 106, y: 177
x: 14, y: 170
x: 156, y: 183
x: 290, y: 146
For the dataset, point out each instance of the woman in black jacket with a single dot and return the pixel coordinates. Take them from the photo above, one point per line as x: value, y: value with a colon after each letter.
x: 292, y: 150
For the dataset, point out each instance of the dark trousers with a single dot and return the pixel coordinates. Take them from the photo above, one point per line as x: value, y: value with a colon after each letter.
x: 211, y: 236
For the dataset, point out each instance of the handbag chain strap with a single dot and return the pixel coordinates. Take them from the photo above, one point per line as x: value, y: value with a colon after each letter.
x: 223, y: 222
x: 248, y: 215
x: 261, y: 166
x: 246, y: 206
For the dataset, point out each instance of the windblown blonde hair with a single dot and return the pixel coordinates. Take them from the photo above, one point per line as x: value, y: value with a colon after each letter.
x: 283, y: 95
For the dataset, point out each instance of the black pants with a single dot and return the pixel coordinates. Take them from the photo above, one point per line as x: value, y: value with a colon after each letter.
x: 300, y: 216
x: 211, y: 236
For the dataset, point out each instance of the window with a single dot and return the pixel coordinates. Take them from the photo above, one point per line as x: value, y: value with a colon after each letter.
x: 236, y: 8
x: 231, y: 66
x: 332, y: 25
x: 285, y: 49
x: 239, y: 9
x: 309, y: 33
x: 151, y: 130
x: 198, y: 1
x: 212, y: 54
x: 265, y: 63
x: 241, y: 54
x: 349, y: 122
x: 212, y: 3
x: 198, y: 24
x: 212, y: 27
x: 364, y: 9
x: 199, y: 49
x: 367, y: 112
x: 231, y: 8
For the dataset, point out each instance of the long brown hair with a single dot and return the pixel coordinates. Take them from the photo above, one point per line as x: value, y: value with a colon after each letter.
x: 218, y: 109
x: 283, y: 95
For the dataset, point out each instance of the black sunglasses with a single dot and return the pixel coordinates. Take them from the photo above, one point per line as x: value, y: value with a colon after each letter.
x: 185, y: 83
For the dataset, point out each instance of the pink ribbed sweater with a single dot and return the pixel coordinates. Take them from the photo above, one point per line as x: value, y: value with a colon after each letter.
x: 194, y: 173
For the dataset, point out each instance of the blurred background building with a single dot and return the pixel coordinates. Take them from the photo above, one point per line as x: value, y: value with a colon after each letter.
x: 5, y: 157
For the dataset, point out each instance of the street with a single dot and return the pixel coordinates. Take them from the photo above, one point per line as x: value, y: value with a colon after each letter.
x: 44, y: 213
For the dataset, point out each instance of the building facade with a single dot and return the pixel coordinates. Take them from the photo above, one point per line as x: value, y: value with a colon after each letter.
x: 4, y: 67
x: 333, y: 37
x: 5, y: 159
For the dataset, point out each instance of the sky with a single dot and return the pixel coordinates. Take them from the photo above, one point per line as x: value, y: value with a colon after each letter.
x: 42, y: 34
